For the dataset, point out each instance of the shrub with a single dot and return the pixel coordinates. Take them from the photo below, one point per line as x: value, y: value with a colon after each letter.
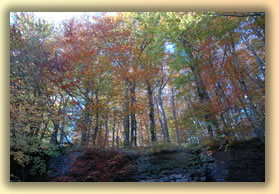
x: 29, y: 157
x: 164, y: 146
x: 99, y: 165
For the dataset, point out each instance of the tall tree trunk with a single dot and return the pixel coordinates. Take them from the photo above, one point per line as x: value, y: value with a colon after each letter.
x: 220, y: 92
x: 84, y: 131
x: 62, y: 134
x: 55, y: 132
x: 223, y: 98
x: 126, y: 116
x: 141, y: 134
x: 133, y: 117
x: 113, y: 131
x: 151, y: 112
x: 94, y: 139
x: 174, y: 117
x: 147, y: 132
x: 158, y: 113
x: 83, y: 137
x: 106, y: 124
x: 259, y: 61
x: 97, y: 119
x: 88, y: 136
x: 106, y: 132
x: 257, y: 122
x: 100, y: 140
x: 165, y: 128
x: 117, y: 135
x: 210, y: 118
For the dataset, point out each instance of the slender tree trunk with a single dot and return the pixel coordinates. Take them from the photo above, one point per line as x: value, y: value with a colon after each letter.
x: 117, y: 135
x: 165, y: 128
x: 222, y: 94
x: 210, y: 118
x: 84, y: 131
x: 133, y: 117
x: 83, y: 137
x: 97, y: 119
x: 54, y: 133
x: 147, y: 132
x: 158, y: 113
x: 62, y: 134
x: 106, y: 124
x: 106, y: 132
x: 151, y: 112
x: 205, y: 100
x: 257, y: 122
x: 94, y: 139
x: 133, y: 130
x: 247, y: 116
x: 259, y: 61
x: 88, y: 136
x: 126, y: 116
x: 231, y: 119
x: 100, y: 140
x: 113, y: 132
x: 141, y: 134
x: 174, y: 117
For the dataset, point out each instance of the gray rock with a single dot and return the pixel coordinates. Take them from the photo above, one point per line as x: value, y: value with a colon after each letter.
x: 203, y: 178
x: 164, y: 179
x: 176, y: 176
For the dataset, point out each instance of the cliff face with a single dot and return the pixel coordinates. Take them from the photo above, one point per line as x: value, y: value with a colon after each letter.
x: 241, y: 161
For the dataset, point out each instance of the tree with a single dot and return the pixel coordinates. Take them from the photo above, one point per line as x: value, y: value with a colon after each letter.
x: 100, y: 81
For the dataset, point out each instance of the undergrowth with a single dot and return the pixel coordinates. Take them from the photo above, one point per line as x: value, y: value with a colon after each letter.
x: 99, y: 165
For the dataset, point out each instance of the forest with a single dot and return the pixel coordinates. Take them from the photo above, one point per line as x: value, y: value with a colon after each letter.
x: 138, y: 97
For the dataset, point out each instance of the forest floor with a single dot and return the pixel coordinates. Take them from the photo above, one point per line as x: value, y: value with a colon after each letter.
x: 242, y: 161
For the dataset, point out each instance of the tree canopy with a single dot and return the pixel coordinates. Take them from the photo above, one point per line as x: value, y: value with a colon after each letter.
x: 134, y: 79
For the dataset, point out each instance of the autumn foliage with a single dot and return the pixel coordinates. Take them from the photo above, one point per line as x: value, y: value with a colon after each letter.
x: 99, y: 165
x: 131, y: 80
